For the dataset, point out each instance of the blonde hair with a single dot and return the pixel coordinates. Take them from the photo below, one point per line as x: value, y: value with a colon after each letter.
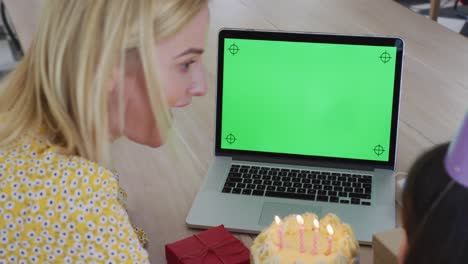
x: 62, y: 83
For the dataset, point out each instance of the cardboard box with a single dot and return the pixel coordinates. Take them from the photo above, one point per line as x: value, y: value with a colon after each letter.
x: 386, y: 246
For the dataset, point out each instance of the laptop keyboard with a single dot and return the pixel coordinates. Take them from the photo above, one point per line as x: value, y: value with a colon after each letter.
x: 309, y: 185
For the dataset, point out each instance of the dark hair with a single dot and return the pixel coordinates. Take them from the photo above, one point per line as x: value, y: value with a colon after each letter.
x: 439, y: 235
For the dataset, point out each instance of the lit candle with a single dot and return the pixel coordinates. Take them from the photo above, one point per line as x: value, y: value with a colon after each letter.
x: 300, y: 221
x: 330, y: 238
x: 316, y: 236
x: 280, y: 232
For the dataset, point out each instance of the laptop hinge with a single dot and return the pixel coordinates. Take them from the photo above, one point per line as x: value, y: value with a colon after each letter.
x: 348, y: 166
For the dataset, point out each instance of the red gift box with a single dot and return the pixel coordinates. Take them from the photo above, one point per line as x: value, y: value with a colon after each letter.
x: 213, y: 246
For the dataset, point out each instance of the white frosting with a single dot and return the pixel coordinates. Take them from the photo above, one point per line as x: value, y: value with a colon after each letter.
x: 265, y: 249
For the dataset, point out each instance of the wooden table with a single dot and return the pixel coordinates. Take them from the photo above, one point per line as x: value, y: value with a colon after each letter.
x: 162, y: 183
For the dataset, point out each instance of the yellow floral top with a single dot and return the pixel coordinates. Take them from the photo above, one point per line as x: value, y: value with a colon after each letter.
x: 61, y: 209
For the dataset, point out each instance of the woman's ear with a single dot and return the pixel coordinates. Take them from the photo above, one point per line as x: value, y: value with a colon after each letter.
x: 403, y: 249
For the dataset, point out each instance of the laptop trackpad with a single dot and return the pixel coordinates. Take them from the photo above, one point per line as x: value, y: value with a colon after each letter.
x: 269, y: 211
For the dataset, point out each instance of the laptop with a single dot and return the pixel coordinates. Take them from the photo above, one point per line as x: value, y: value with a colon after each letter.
x: 304, y: 123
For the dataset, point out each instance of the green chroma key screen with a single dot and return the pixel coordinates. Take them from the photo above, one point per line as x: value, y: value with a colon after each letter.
x: 318, y: 99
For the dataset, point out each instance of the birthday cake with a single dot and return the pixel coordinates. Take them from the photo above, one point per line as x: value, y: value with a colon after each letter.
x: 304, y: 239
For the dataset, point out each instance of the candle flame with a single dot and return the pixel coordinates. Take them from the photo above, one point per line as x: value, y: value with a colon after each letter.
x: 330, y: 230
x: 277, y: 220
x: 316, y: 224
x: 299, y: 219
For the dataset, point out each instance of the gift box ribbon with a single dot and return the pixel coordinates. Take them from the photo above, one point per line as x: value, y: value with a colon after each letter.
x: 212, y: 249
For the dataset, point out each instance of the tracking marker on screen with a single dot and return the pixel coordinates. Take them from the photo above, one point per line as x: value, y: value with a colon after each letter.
x: 385, y: 57
x: 231, y: 139
x: 234, y: 49
x: 379, y: 150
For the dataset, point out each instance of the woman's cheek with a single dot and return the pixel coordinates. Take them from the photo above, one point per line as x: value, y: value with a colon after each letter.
x: 177, y: 88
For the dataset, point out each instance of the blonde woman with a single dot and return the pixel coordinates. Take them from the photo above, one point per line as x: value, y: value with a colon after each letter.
x: 97, y: 70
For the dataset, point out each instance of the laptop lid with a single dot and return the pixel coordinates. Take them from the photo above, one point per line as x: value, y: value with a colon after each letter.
x: 308, y: 98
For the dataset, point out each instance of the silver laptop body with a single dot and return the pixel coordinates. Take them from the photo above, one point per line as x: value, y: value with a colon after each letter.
x: 305, y: 123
